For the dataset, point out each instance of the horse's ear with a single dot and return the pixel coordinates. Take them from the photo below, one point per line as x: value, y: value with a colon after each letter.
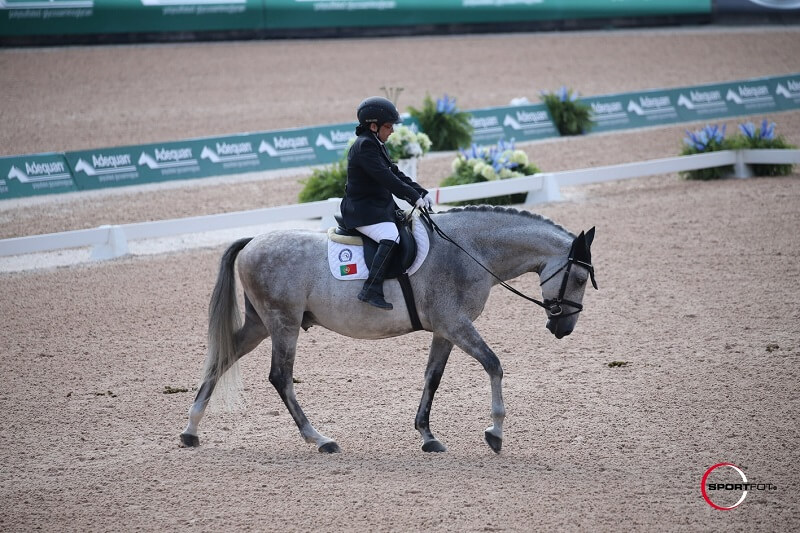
x: 589, y: 237
x: 580, y: 247
x: 577, y: 245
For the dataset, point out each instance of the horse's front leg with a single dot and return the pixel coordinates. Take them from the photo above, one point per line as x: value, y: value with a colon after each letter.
x: 440, y: 352
x: 284, y: 347
x: 468, y: 339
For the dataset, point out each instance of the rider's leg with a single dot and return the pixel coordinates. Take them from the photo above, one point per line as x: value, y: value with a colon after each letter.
x: 386, y: 235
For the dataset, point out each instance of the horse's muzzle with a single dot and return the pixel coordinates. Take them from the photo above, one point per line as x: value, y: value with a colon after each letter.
x: 557, y: 328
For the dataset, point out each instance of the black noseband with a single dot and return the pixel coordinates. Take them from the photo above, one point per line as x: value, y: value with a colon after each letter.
x: 555, y: 306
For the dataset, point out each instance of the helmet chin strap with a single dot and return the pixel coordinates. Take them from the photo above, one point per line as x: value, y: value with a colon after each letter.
x: 376, y: 133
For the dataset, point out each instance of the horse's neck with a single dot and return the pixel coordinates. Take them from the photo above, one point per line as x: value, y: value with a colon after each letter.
x: 512, y: 244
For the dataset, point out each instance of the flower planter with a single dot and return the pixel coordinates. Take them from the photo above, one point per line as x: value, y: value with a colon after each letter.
x: 408, y: 167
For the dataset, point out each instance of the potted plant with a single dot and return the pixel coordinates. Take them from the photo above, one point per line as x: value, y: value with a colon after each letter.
x: 405, y: 147
x: 761, y: 138
x: 326, y: 182
x: 446, y: 126
x: 709, y: 139
x: 480, y: 164
x: 570, y: 115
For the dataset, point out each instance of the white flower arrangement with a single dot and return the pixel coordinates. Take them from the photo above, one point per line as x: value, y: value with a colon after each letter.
x: 489, y: 163
x: 493, y: 163
x: 404, y: 143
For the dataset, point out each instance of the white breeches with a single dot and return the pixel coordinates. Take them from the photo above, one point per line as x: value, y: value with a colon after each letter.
x: 381, y: 231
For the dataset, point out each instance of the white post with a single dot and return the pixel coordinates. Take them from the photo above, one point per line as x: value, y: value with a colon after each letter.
x: 408, y: 167
x: 327, y: 219
x: 116, y: 244
x: 549, y: 191
x: 740, y: 168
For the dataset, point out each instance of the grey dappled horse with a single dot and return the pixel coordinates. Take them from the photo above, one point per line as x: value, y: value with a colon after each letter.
x: 288, y: 286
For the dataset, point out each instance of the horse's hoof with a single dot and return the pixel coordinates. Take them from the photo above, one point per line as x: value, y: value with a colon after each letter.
x: 329, y: 447
x: 189, y: 441
x: 494, y: 442
x: 434, y: 446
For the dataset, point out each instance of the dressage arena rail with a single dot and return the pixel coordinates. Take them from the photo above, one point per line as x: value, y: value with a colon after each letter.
x: 111, y: 241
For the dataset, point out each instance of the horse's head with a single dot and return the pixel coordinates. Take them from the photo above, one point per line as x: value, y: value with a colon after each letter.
x: 563, y: 285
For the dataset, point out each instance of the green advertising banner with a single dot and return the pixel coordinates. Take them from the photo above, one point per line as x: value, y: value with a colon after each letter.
x: 330, y: 142
x: 637, y: 110
x: 609, y: 112
x: 87, y: 17
x: 370, y: 13
x: 652, y: 108
x: 197, y: 158
x: 691, y: 104
x: 30, y: 175
x: 518, y: 123
x: 59, y: 17
x: 214, y: 156
x: 748, y: 97
x: 487, y: 125
x: 787, y: 91
x: 313, y: 146
x: 271, y: 150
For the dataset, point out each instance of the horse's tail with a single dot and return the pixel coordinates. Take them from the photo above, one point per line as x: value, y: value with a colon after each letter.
x: 224, y: 320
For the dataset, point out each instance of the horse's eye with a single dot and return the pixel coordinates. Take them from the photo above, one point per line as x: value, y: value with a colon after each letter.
x: 581, y: 280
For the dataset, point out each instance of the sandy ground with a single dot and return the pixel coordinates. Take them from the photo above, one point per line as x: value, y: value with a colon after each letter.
x: 700, y: 295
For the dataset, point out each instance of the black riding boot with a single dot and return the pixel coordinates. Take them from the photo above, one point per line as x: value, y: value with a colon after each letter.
x: 372, y: 291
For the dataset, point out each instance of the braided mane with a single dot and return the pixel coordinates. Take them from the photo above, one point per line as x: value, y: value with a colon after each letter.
x: 506, y: 211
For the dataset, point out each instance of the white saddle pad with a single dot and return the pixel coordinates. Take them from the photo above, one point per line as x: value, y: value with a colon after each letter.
x: 347, y: 260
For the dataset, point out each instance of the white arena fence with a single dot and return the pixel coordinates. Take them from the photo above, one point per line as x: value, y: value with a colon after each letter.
x: 107, y: 242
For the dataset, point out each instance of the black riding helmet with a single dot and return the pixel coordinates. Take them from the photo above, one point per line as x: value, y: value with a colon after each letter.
x: 378, y: 110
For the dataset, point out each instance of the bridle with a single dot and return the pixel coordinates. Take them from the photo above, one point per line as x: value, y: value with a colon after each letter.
x: 553, y: 306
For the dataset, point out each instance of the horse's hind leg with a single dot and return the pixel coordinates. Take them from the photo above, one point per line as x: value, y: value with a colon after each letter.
x: 439, y: 354
x: 246, y: 339
x: 284, y: 348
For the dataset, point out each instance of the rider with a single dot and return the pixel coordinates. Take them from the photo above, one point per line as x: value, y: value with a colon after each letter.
x: 372, y: 178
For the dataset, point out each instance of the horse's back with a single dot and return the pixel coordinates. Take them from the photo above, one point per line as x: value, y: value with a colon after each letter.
x: 286, y: 258
x: 282, y: 245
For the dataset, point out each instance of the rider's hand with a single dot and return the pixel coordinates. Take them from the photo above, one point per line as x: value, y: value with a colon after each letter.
x: 420, y: 203
x: 428, y: 202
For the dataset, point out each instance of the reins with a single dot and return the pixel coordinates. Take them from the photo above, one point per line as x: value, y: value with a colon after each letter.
x: 552, y: 306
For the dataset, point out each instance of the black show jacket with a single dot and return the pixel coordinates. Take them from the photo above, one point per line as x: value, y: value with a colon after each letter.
x: 372, y: 178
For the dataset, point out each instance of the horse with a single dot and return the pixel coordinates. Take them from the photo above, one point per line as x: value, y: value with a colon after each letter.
x: 288, y: 286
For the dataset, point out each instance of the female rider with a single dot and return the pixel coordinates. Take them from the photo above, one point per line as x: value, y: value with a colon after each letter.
x: 372, y: 178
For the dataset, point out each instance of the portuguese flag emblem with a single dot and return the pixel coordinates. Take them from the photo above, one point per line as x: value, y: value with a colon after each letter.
x: 348, y: 270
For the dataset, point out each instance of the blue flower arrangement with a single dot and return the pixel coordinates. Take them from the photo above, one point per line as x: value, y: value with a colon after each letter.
x: 709, y: 139
x: 569, y: 114
x: 488, y: 163
x: 447, y: 127
x: 446, y: 105
x: 763, y: 138
x: 712, y: 138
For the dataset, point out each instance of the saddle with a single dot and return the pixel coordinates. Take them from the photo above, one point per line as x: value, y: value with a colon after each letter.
x: 399, y: 261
